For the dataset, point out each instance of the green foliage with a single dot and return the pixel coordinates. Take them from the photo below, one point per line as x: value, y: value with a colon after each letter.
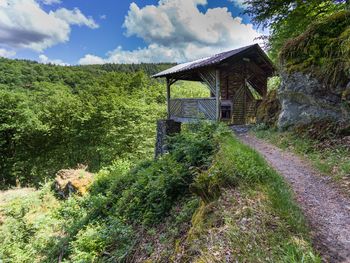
x: 102, y: 225
x: 92, y: 240
x: 54, y: 117
x: 189, y: 89
x: 234, y: 164
x: 148, y: 68
x: 323, y: 50
x: 247, y: 212
x: 27, y: 226
x: 145, y: 212
x: 273, y: 83
x: 288, y: 19
x: 269, y: 109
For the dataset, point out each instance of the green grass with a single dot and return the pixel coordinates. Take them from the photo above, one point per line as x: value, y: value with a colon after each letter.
x: 27, y: 225
x: 255, y: 219
x: 189, y: 89
x: 332, y: 160
x: 123, y: 205
x: 210, y: 197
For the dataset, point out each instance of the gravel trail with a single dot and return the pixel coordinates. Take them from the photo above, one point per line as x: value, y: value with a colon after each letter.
x: 326, y: 209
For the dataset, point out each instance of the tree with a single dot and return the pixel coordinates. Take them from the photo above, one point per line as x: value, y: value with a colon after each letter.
x: 288, y: 19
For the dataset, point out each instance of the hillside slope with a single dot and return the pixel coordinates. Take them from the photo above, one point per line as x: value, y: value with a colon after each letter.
x: 211, y: 199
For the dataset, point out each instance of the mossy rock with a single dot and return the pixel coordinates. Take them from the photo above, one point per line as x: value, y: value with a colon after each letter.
x: 269, y: 109
x: 72, y: 181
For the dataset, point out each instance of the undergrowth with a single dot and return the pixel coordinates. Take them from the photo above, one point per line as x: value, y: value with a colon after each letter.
x: 106, y: 224
x: 209, y: 187
x: 254, y: 219
x: 323, y: 50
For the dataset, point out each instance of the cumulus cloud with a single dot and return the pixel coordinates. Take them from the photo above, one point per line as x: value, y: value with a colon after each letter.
x: 152, y: 53
x: 176, y: 30
x: 180, y: 21
x: 45, y: 60
x: 6, y: 53
x: 239, y: 3
x: 51, y: 2
x: 91, y: 60
x: 75, y: 17
x: 24, y: 24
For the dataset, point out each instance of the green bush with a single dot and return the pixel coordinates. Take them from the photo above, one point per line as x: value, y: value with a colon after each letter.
x: 233, y: 164
x: 119, y: 200
x: 72, y: 115
x: 148, y: 208
x: 93, y: 240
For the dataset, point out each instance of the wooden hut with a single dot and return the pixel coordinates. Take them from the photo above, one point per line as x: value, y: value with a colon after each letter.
x: 237, y: 80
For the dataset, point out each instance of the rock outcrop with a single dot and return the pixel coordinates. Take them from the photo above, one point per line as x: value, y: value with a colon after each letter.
x: 269, y: 109
x: 72, y: 181
x: 316, y: 73
x: 305, y: 100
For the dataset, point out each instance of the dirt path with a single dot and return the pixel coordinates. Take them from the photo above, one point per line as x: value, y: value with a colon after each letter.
x: 327, y: 211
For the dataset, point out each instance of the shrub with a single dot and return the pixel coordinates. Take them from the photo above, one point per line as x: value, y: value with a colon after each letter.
x: 102, y: 225
x: 111, y: 239
x: 323, y: 50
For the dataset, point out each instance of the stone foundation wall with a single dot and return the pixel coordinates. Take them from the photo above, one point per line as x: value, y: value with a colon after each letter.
x: 165, y: 128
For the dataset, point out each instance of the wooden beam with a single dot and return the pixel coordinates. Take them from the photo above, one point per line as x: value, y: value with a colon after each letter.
x: 168, y: 85
x: 217, y: 94
x: 172, y: 81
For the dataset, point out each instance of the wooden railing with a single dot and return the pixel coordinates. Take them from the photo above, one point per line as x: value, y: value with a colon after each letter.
x: 192, y: 109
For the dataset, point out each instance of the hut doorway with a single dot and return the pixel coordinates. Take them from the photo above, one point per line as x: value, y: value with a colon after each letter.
x: 245, y: 104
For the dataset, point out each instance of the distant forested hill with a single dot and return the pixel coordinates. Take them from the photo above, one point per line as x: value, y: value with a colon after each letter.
x: 54, y: 117
x: 148, y: 68
x: 25, y: 72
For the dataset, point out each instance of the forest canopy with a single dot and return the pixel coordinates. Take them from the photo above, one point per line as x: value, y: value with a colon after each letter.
x: 54, y: 117
x: 288, y: 19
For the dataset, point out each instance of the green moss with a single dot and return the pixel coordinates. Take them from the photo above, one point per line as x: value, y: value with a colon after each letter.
x: 322, y: 50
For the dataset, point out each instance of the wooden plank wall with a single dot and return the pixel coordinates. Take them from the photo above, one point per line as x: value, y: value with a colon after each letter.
x: 233, y: 88
x: 231, y: 79
x: 204, y: 108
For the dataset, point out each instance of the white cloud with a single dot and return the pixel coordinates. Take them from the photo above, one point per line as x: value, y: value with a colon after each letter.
x: 152, y: 53
x: 75, y: 17
x: 239, y: 3
x: 176, y: 30
x: 45, y: 60
x: 103, y: 17
x: 6, y: 53
x: 24, y: 24
x: 51, y: 2
x: 91, y: 60
x: 175, y: 22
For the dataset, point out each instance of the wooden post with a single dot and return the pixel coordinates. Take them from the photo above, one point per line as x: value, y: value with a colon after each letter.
x: 168, y: 84
x: 217, y: 94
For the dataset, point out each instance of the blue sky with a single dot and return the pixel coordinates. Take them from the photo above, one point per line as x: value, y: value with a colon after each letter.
x: 95, y: 32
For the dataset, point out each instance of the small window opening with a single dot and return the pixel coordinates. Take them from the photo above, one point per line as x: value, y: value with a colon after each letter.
x: 226, y: 112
